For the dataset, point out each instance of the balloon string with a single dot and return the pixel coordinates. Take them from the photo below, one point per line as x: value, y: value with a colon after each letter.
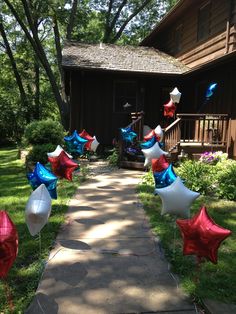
x: 40, y: 244
x: 174, y: 241
x: 8, y: 296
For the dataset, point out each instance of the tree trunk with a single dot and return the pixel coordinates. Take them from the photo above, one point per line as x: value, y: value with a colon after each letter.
x: 24, y: 102
x: 71, y: 23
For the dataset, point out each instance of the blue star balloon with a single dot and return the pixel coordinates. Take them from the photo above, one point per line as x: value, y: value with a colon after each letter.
x: 42, y: 175
x: 128, y: 135
x: 149, y: 143
x: 75, y: 143
x: 210, y: 89
x: 165, y: 177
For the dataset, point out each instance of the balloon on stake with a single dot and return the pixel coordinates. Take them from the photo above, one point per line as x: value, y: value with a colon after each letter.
x: 38, y: 209
x: 63, y: 166
x: 159, y: 164
x: 57, y: 152
x: 169, y: 109
x: 152, y: 153
x: 159, y: 133
x: 128, y: 135
x: 164, y: 178
x: 41, y: 175
x: 8, y: 244
x: 176, y: 199
x: 94, y: 144
x: 84, y: 134
x: 149, y: 143
x: 75, y: 143
x: 175, y: 95
x: 202, y: 236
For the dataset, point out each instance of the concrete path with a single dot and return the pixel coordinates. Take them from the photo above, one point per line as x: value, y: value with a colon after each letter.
x: 106, y: 259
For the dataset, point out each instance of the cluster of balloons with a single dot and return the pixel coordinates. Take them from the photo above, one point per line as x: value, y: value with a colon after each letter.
x: 44, y: 185
x: 77, y: 143
x: 170, y: 107
x: 201, y: 235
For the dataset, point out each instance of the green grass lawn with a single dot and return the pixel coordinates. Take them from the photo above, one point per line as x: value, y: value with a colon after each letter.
x: 211, y: 281
x: 15, y: 190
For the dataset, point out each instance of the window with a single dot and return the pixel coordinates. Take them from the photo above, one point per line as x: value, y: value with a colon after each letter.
x: 203, y: 31
x: 125, y: 96
x: 178, y: 38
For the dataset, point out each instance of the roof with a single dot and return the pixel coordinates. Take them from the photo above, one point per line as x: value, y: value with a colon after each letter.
x: 168, y: 19
x: 110, y: 57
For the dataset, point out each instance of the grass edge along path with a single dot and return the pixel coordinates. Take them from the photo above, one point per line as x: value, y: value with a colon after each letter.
x: 27, y: 269
x: 217, y: 282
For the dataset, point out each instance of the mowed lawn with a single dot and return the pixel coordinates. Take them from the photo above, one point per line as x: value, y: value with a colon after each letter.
x: 15, y: 190
x: 210, y: 281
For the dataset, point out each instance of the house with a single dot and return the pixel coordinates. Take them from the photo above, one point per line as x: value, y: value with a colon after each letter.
x: 193, y: 46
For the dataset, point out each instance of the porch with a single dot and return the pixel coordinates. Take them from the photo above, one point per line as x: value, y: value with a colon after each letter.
x: 192, y: 133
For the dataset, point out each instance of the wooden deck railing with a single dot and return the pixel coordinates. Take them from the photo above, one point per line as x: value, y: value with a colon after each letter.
x: 197, y: 129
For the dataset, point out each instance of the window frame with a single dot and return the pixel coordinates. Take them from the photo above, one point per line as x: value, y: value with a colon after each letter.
x: 203, y: 35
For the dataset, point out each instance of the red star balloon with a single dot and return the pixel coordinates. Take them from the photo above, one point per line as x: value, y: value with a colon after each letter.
x: 88, y: 137
x: 169, y: 109
x: 150, y: 135
x: 159, y: 164
x: 63, y: 166
x: 8, y: 244
x: 202, y: 236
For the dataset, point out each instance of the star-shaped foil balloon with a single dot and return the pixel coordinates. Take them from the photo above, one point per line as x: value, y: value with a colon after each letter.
x: 42, y: 175
x: 169, y: 109
x: 164, y: 178
x: 202, y: 236
x: 159, y: 164
x: 94, y: 144
x: 8, y: 244
x: 149, y: 136
x: 57, y: 152
x: 149, y: 143
x: 176, y: 199
x: 152, y: 153
x: 128, y: 135
x: 75, y: 143
x: 84, y: 134
x: 159, y: 133
x: 38, y: 209
x: 63, y: 166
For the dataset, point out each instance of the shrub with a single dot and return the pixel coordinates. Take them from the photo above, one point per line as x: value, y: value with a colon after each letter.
x: 213, y: 157
x: 113, y: 159
x: 198, y: 176
x: 43, y: 132
x: 226, y: 179
x: 39, y: 153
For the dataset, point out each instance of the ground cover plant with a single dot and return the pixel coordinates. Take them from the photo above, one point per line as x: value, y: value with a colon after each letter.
x: 14, y: 192
x: 210, y: 281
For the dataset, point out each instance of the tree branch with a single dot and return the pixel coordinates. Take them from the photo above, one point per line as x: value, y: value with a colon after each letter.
x: 136, y: 12
x: 71, y: 22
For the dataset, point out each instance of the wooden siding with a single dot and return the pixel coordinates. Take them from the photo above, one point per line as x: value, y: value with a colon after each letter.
x: 222, y: 38
x: 91, y: 97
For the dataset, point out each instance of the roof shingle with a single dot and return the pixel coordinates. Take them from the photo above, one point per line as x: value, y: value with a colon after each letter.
x: 120, y: 58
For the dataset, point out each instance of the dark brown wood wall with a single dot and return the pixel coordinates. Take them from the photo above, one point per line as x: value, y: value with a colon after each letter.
x: 223, y: 99
x: 92, y: 101
x: 194, y: 52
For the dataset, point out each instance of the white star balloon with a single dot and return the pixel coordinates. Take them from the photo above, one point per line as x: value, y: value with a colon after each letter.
x: 153, y: 152
x: 94, y: 144
x: 159, y: 132
x: 176, y: 199
x: 57, y: 152
x: 175, y: 95
x: 38, y: 209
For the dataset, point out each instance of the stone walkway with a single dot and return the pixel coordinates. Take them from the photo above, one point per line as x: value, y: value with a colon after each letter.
x: 106, y: 259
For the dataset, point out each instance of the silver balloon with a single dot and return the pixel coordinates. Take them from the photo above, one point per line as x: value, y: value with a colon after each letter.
x: 94, y: 144
x: 38, y: 209
x: 57, y: 152
x: 159, y: 132
x: 175, y: 95
x: 176, y: 199
x: 152, y: 153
